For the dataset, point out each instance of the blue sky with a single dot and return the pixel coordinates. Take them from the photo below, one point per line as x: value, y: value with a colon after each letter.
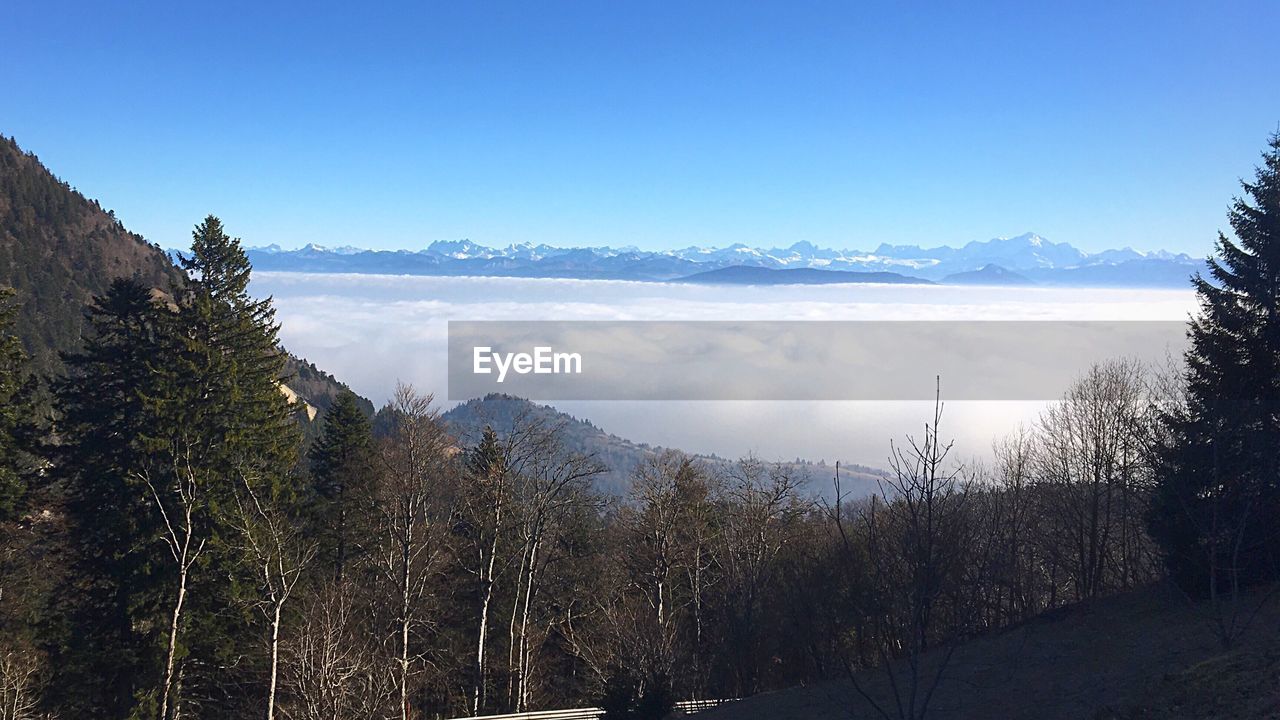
x: 658, y: 124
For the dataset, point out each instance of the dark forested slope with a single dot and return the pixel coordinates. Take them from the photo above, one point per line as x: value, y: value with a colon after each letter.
x: 59, y: 249
x: 621, y: 456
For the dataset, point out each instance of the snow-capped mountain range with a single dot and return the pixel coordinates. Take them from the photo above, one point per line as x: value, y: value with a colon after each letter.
x: 1024, y: 259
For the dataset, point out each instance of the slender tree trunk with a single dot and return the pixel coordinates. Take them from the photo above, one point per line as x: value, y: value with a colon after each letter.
x: 404, y: 630
x: 512, y: 645
x: 697, y: 620
x: 523, y: 685
x: 478, y: 693
x: 275, y: 659
x: 341, y: 560
x: 177, y: 694
x: 173, y: 645
x: 479, y: 698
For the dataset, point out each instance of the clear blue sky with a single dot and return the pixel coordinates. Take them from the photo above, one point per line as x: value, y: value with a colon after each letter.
x: 659, y: 124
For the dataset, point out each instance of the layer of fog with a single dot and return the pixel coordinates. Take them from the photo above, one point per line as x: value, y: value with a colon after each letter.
x: 372, y: 331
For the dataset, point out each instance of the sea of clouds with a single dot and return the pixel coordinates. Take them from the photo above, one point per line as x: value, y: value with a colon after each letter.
x: 373, y: 331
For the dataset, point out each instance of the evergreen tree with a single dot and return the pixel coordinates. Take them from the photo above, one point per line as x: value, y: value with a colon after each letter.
x: 170, y: 412
x: 341, y: 477
x: 17, y: 413
x: 109, y: 639
x: 233, y: 356
x: 1216, y: 510
x: 228, y: 420
x: 488, y: 456
x: 24, y: 573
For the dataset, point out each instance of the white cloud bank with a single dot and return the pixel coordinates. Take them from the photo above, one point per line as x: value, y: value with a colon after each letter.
x: 372, y: 330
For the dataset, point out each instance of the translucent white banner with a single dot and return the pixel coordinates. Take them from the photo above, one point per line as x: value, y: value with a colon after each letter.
x: 791, y: 360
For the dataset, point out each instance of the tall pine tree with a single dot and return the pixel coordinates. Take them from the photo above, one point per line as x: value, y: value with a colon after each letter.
x: 17, y: 413
x: 231, y: 425
x: 234, y: 361
x: 107, y: 645
x: 342, y: 482
x: 1216, y: 510
x: 172, y: 410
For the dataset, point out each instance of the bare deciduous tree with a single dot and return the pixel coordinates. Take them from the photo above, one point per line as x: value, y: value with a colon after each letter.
x: 551, y: 483
x: 1090, y: 462
x: 20, y: 684
x: 331, y: 668
x: 484, y: 507
x: 762, y: 510
x: 275, y: 547
x: 915, y: 531
x: 178, y: 499
x: 416, y: 494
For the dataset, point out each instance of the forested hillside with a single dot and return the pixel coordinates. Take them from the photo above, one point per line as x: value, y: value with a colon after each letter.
x: 621, y: 457
x: 58, y: 249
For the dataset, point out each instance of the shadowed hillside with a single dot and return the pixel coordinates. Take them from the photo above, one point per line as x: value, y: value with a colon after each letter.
x: 622, y: 456
x: 1145, y: 654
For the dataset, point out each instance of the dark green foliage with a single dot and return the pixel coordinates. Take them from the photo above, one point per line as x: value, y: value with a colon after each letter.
x: 17, y: 414
x: 167, y: 397
x: 226, y: 417
x: 111, y: 602
x: 231, y: 362
x: 342, y: 468
x: 58, y: 249
x: 156, y: 366
x: 487, y: 457
x: 1217, y: 507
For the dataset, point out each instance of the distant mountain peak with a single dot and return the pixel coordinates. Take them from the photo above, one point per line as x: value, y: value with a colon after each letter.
x: 460, y: 249
x: 1029, y: 255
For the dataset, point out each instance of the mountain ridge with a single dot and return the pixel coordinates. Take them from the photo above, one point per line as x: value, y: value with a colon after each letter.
x: 1052, y: 263
x: 752, y: 275
x: 622, y: 456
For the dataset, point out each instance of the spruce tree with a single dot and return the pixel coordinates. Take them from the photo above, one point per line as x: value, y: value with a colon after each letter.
x: 488, y: 456
x: 111, y: 601
x: 233, y: 355
x: 172, y: 410
x: 1216, y: 510
x: 230, y: 420
x: 17, y: 413
x: 341, y: 478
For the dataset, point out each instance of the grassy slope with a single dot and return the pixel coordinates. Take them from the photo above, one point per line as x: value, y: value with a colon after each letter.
x: 1146, y: 654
